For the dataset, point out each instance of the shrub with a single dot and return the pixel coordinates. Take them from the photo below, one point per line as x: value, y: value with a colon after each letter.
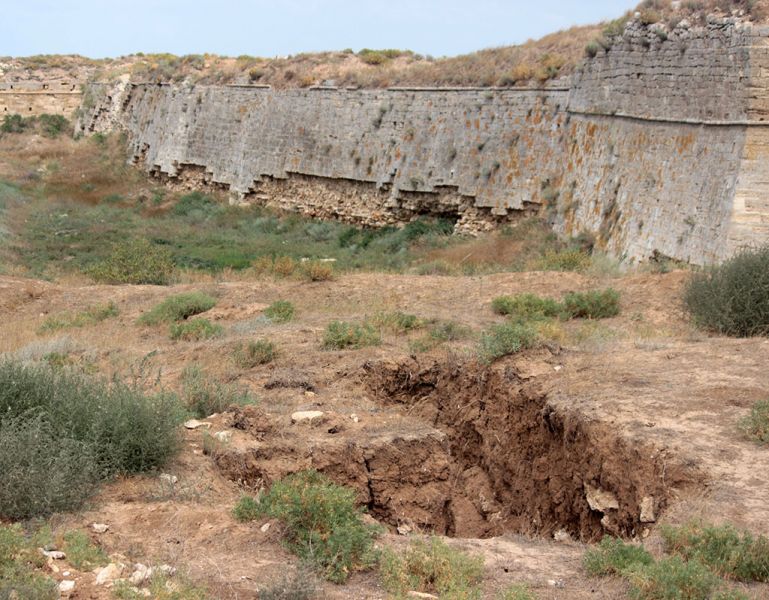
x: 135, y: 262
x: 592, y: 305
x: 280, y: 311
x: 725, y: 550
x: 526, y: 306
x: 564, y: 260
x: 14, y: 123
x: 60, y: 430
x: 196, y: 205
x: 322, y: 524
x: 671, y: 579
x: 509, y: 338
x: 299, y: 584
x: 52, y: 125
x: 340, y: 335
x: 317, y: 270
x: 195, y: 330
x: 205, y: 396
x: 398, y: 322
x: 89, y: 316
x: 733, y: 298
x: 756, y: 424
x: 246, y: 509
x: 178, y: 308
x: 517, y: 592
x: 284, y: 266
x: 19, y: 559
x: 614, y: 557
x: 432, y: 567
x: 251, y: 354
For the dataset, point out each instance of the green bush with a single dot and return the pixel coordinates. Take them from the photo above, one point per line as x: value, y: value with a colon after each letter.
x: 432, y: 567
x: 340, y: 335
x: 195, y: 205
x: 19, y: 561
x: 253, y: 353
x: 299, y: 584
x: 89, y: 316
x: 505, y: 339
x: 592, y: 305
x: 733, y: 298
x: 671, y: 579
x: 614, y: 557
x: 52, y: 125
x: 322, y: 524
x: 205, y: 396
x: 195, y: 330
x: 15, y: 123
x: 60, y: 431
x: 725, y: 550
x: 280, y: 311
x: 178, y: 308
x: 526, y: 306
x: 756, y: 424
x: 135, y: 262
x: 397, y: 322
x: 246, y: 509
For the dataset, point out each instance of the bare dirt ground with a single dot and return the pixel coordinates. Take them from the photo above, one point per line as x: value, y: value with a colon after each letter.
x: 499, y: 459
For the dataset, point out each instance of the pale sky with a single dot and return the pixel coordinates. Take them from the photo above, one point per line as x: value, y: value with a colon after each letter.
x: 275, y: 28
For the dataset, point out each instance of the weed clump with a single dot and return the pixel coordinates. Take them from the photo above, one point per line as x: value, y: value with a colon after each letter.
x: 205, y: 396
x: 19, y: 559
x: 732, y: 298
x: 323, y: 524
x: 432, y: 567
x: 178, y: 308
x: 318, y: 270
x: 89, y: 316
x: 505, y: 339
x: 134, y: 262
x: 614, y: 557
x: 526, y: 306
x: 195, y: 330
x: 280, y: 311
x: 671, y: 578
x: 82, y: 553
x: 592, y: 305
x: 62, y: 432
x: 756, y: 424
x: 341, y: 335
x: 254, y: 353
x: 397, y: 321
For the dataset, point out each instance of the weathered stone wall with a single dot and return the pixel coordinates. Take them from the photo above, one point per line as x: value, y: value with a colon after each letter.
x: 658, y: 147
x: 32, y: 99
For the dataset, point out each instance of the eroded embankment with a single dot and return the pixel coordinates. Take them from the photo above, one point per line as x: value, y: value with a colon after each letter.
x: 475, y: 451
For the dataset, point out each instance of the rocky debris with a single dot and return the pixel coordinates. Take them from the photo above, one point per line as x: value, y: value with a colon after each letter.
x: 108, y: 574
x: 414, y: 594
x: 142, y: 573
x: 266, y: 527
x: 647, y: 510
x: 100, y: 527
x: 54, y: 554
x: 195, y: 424
x: 290, y: 378
x: 167, y: 478
x: 600, y: 500
x: 404, y: 529
x: 66, y: 586
x: 562, y: 536
x: 306, y: 416
x: 223, y: 436
x: 354, y: 418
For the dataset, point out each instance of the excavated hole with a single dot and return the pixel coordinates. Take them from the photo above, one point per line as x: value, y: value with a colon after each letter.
x: 468, y: 451
x: 519, y: 465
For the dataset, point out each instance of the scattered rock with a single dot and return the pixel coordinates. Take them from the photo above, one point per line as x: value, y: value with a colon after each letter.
x: 306, y: 416
x: 100, y: 527
x: 404, y: 529
x: 556, y: 583
x: 172, y: 479
x: 647, y: 510
x: 354, y: 418
x: 600, y: 500
x: 266, y: 527
x: 195, y: 424
x: 223, y: 436
x: 54, y: 554
x: 562, y: 536
x: 414, y: 594
x: 251, y: 419
x: 109, y: 573
x: 66, y: 586
x: 140, y: 575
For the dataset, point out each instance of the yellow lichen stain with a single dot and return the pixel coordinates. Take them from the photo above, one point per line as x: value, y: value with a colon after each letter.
x: 397, y: 154
x: 477, y: 124
x: 684, y: 143
x: 468, y: 124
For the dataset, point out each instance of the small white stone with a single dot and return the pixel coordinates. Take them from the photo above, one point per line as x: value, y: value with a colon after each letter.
x: 600, y: 500
x: 100, y: 527
x: 354, y: 418
x: 109, y: 573
x: 556, y: 583
x: 195, y: 424
x: 54, y: 554
x: 66, y: 586
x: 647, y: 510
x: 172, y: 479
x: 223, y: 436
x: 140, y: 575
x: 404, y: 529
x: 66, y: 573
x: 266, y: 527
x: 413, y: 594
x: 306, y: 416
x: 562, y: 536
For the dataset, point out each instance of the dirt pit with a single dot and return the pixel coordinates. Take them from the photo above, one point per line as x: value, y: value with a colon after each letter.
x: 466, y: 450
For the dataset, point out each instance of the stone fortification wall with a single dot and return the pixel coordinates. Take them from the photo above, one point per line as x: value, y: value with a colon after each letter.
x: 34, y: 98
x: 657, y: 148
